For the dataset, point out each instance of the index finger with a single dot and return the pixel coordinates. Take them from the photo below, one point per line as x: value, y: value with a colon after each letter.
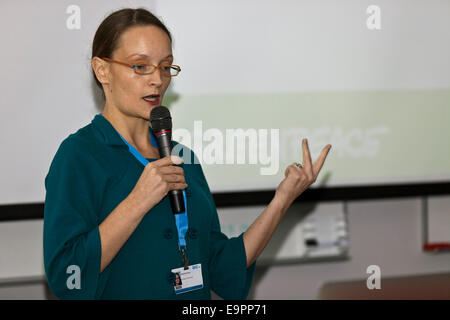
x: 167, y: 161
x: 307, y: 165
x: 320, y: 161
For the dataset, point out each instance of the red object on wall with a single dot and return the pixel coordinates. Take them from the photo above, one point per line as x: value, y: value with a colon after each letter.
x: 437, y: 246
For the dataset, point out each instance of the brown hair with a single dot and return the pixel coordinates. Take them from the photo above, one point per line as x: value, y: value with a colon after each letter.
x: 108, y: 33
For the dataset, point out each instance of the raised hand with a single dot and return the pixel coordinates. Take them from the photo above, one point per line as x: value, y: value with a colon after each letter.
x: 299, y: 179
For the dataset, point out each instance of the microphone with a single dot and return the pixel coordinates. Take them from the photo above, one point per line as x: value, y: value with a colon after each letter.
x: 161, y: 125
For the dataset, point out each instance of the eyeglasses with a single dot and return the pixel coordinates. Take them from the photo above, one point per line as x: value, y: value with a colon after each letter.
x: 144, y: 68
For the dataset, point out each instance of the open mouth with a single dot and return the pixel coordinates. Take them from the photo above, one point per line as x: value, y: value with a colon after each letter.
x: 153, y: 99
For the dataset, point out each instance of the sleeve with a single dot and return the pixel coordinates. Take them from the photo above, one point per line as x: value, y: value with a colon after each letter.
x: 72, y: 248
x: 229, y: 276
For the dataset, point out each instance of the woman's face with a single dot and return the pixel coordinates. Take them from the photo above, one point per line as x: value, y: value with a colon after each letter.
x: 127, y: 89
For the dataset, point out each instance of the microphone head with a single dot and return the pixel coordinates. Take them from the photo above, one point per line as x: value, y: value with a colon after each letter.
x: 160, y: 119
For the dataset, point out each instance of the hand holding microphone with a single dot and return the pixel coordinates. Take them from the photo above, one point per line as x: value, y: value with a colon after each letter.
x: 161, y: 124
x: 157, y: 180
x: 162, y: 177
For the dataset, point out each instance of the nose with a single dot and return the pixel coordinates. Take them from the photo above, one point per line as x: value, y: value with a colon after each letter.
x: 155, y: 78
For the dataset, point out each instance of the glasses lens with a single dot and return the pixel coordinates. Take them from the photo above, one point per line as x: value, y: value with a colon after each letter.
x: 170, y: 70
x: 143, y: 68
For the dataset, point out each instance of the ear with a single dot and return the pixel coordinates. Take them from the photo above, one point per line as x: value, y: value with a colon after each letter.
x: 101, y: 70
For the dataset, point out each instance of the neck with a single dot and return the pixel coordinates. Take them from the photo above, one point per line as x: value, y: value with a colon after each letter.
x: 133, y: 129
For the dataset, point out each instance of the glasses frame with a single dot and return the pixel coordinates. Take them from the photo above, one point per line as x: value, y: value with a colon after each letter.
x: 134, y: 65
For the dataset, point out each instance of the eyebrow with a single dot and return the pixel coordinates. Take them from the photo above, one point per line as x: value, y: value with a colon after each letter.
x: 146, y: 56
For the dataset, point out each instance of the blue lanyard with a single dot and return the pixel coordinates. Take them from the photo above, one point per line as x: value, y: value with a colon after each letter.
x: 181, y: 219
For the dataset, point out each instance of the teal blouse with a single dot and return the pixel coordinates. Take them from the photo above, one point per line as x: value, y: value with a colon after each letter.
x: 91, y: 173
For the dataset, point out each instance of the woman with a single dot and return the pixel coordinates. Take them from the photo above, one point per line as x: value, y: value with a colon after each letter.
x: 107, y: 215
x: 177, y: 282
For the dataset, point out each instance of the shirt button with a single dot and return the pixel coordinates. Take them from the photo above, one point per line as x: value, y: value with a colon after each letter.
x: 192, y: 233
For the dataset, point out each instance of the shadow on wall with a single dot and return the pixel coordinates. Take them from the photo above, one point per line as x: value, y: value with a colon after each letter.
x: 275, y: 245
x: 170, y: 96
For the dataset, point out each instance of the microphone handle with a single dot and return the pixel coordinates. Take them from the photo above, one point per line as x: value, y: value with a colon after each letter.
x: 165, y: 146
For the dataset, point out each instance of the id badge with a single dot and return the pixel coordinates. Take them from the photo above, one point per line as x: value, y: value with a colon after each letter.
x: 189, y: 279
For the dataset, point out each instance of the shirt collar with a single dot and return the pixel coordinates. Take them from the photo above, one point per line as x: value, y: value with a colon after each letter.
x: 110, y: 135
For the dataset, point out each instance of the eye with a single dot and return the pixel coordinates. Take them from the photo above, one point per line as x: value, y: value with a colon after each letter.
x: 140, y: 67
x: 143, y: 68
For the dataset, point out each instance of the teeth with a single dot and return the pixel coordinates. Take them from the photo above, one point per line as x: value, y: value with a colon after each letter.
x: 150, y: 98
